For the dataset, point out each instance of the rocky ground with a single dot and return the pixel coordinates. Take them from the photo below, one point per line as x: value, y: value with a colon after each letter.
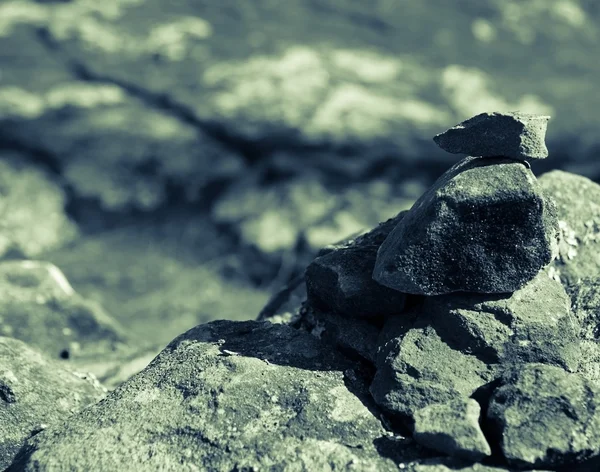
x: 163, y: 168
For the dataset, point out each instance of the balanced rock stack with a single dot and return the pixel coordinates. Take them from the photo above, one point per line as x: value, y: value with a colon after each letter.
x: 475, y: 344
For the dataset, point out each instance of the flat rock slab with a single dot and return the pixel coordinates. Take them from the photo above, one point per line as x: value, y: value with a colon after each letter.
x: 577, y: 202
x: 546, y: 417
x: 35, y: 393
x: 453, y: 429
x: 515, y: 135
x: 484, y: 226
x: 224, y: 396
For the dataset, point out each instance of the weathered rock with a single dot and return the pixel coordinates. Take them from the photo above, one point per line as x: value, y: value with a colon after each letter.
x: 533, y: 324
x: 586, y: 307
x: 421, y: 368
x: 577, y: 202
x: 484, y: 226
x: 546, y: 417
x: 342, y: 281
x: 33, y: 210
x: 452, y: 428
x: 39, y: 306
x: 36, y: 393
x: 226, y: 395
x: 515, y: 135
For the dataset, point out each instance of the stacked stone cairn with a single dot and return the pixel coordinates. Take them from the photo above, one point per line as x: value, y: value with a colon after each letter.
x: 475, y: 346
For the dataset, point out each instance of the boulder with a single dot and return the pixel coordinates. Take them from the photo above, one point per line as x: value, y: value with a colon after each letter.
x: 545, y: 417
x: 485, y: 226
x: 532, y: 324
x: 35, y: 393
x: 515, y: 135
x: 225, y: 396
x: 39, y: 306
x: 577, y: 202
x: 453, y: 429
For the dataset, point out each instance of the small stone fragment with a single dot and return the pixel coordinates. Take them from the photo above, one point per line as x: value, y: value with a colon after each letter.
x: 452, y: 428
x: 485, y: 226
x: 546, y: 417
x: 515, y: 135
x: 341, y: 279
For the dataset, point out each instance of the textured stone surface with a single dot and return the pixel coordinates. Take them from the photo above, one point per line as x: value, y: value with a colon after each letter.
x: 422, y: 367
x: 33, y: 209
x: 453, y: 429
x: 342, y: 281
x: 39, y: 306
x: 36, y: 393
x: 578, y: 208
x: 515, y: 135
x: 484, y: 226
x: 545, y: 416
x: 226, y: 395
x: 533, y: 324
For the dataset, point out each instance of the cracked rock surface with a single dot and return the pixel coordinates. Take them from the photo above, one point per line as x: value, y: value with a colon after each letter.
x: 36, y: 392
x: 226, y: 395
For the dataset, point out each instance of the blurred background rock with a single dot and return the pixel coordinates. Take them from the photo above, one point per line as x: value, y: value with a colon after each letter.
x: 180, y: 161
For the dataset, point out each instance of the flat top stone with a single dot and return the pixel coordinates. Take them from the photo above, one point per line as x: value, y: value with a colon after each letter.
x: 516, y: 135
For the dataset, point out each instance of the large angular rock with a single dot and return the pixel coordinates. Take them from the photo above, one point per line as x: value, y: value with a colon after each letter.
x: 225, y: 396
x: 533, y: 324
x: 422, y: 367
x: 515, y: 135
x: 39, y: 306
x: 452, y: 428
x: 577, y: 202
x: 485, y: 226
x: 546, y: 417
x: 36, y: 393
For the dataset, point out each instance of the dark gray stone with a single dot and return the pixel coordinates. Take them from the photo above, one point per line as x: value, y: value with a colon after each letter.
x: 484, y: 226
x: 341, y: 279
x: 35, y: 393
x: 225, y: 396
x: 453, y: 429
x: 546, y: 417
x: 533, y: 324
x: 353, y: 336
x: 515, y: 135
x: 577, y: 202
